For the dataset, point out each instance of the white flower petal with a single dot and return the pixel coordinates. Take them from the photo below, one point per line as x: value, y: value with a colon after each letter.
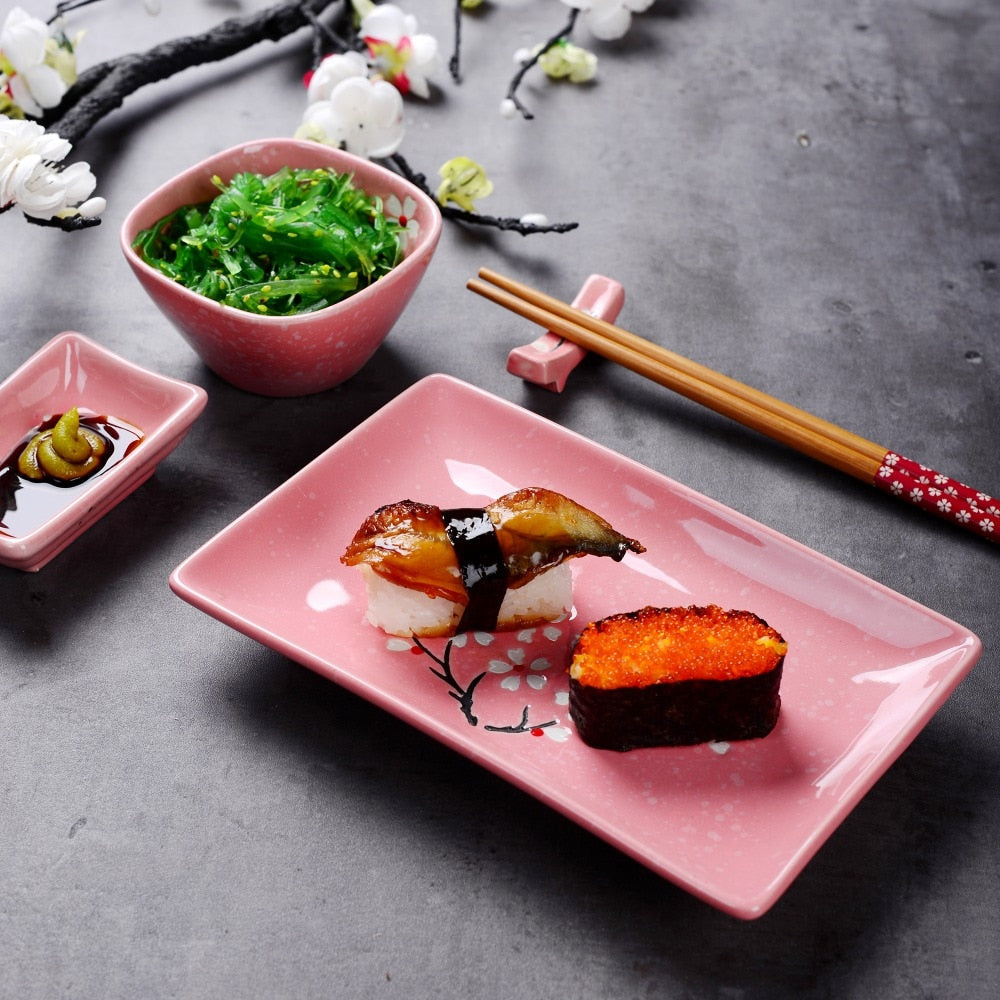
x: 388, y: 23
x: 21, y: 94
x: 608, y: 22
x: 608, y: 19
x: 22, y: 39
x: 15, y: 174
x: 424, y: 50
x: 46, y: 85
x: 331, y: 71
x: 78, y: 182
x: 92, y: 208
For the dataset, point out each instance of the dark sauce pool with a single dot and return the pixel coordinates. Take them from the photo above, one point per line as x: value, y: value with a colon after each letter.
x: 26, y: 504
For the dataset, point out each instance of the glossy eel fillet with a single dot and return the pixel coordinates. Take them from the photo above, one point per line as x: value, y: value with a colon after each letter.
x: 536, y: 529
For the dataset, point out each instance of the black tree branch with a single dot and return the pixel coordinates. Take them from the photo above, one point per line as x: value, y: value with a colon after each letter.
x: 104, y: 87
x: 506, y: 224
x: 528, y: 63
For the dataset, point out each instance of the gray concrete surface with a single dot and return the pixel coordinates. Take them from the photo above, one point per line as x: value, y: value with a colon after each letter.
x: 801, y: 194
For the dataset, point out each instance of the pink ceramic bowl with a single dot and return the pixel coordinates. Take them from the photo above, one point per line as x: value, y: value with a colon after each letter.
x: 286, y: 355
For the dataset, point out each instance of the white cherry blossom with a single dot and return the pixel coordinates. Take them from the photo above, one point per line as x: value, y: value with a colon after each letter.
x: 362, y: 116
x: 331, y: 71
x: 41, y: 191
x: 26, y: 51
x: 608, y: 19
x: 32, y: 178
x: 399, y: 52
x: 21, y: 138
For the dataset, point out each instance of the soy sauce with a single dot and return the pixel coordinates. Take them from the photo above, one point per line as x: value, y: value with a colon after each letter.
x: 26, y: 504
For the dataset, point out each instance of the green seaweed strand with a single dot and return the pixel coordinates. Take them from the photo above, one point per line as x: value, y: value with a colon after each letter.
x: 293, y: 241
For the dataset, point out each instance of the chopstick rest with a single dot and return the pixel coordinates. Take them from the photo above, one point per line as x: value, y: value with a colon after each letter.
x: 835, y: 446
x: 548, y: 360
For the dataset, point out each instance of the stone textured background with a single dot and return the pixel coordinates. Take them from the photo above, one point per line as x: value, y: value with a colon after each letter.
x: 801, y: 194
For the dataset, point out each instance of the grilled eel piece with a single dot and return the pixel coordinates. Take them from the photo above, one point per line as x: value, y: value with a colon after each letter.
x: 407, y: 543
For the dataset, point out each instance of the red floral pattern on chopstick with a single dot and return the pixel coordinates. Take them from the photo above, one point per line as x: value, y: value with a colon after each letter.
x: 939, y: 494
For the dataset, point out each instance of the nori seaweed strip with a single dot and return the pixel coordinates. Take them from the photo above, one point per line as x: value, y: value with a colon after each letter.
x: 481, y: 563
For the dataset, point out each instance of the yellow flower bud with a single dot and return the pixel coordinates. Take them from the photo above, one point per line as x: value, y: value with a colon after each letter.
x: 463, y: 181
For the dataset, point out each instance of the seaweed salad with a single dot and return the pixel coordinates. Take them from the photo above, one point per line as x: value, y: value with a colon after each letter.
x: 289, y: 242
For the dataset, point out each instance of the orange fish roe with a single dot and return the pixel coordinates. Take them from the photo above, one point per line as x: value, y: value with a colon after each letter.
x: 667, y: 645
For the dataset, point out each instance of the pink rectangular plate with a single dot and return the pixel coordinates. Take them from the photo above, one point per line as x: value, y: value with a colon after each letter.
x: 865, y: 671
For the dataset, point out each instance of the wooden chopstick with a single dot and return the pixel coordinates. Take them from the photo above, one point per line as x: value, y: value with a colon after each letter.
x: 773, y: 417
x: 811, y: 435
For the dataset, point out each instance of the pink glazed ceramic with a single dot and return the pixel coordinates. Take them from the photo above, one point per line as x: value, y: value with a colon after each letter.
x: 73, y: 370
x: 286, y: 355
x: 732, y: 823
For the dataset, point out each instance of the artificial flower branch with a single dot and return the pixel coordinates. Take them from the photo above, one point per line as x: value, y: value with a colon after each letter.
x: 532, y: 59
x: 103, y: 88
x: 525, y: 225
x: 454, y: 62
x: 38, y: 80
x: 396, y: 53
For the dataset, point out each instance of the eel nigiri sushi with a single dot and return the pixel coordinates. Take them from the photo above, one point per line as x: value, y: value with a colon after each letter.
x: 436, y: 572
